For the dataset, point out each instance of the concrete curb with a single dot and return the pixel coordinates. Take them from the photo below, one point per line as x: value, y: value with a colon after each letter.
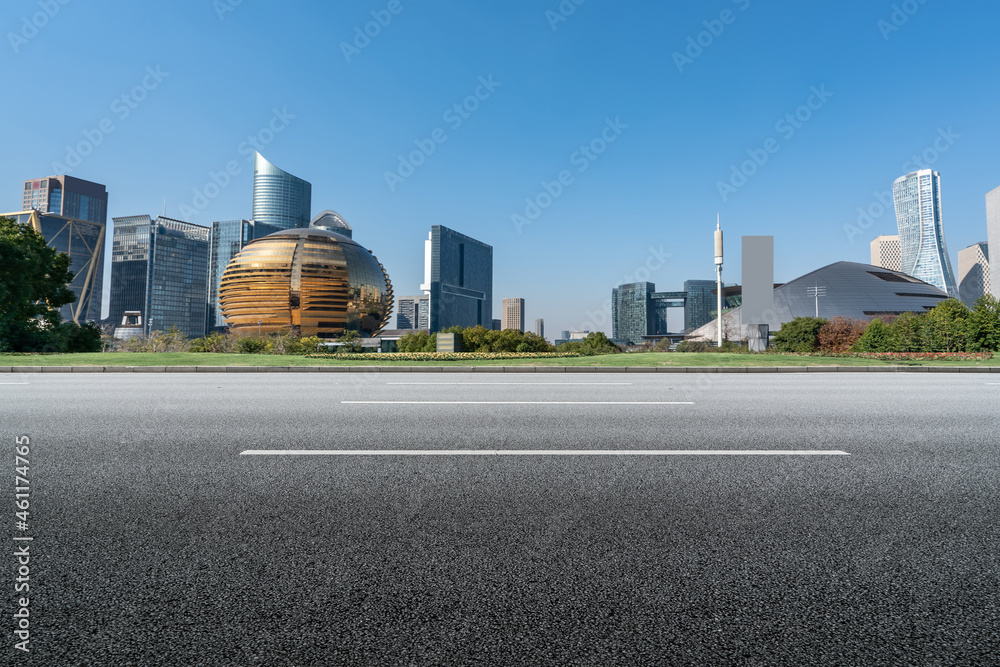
x: 497, y: 369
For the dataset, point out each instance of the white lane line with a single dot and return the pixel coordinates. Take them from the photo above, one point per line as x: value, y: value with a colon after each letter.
x: 541, y: 452
x: 517, y: 403
x: 490, y: 384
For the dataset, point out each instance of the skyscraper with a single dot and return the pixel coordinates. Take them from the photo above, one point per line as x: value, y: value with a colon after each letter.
x: 279, y: 199
x: 923, y: 252
x: 228, y: 238
x: 412, y: 312
x: 885, y: 253
x: 160, y: 268
x: 632, y: 312
x: 458, y: 278
x: 699, y: 304
x: 540, y: 328
x: 973, y: 273
x: 993, y: 237
x: 513, y: 313
x: 71, y: 214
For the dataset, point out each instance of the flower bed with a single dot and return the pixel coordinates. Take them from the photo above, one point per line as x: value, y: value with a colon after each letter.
x: 444, y: 356
x: 925, y: 356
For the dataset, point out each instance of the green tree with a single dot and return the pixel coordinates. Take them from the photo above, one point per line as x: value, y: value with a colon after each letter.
x: 983, y: 325
x: 799, y: 335
x: 33, y: 287
x: 946, y: 328
x: 351, y: 341
x: 907, y: 333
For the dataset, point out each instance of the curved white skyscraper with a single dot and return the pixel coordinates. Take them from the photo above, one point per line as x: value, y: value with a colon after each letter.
x: 279, y: 199
x: 921, y: 237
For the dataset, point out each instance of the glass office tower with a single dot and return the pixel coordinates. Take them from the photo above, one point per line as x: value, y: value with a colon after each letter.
x: 700, y: 303
x: 279, y: 199
x: 160, y: 268
x: 632, y: 312
x: 458, y: 277
x: 923, y: 251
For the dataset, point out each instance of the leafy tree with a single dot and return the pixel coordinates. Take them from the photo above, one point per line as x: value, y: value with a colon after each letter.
x: 76, y: 338
x: 799, y: 335
x: 907, y: 333
x: 594, y: 344
x: 945, y: 329
x: 33, y: 286
x: 983, y: 325
x: 351, y: 341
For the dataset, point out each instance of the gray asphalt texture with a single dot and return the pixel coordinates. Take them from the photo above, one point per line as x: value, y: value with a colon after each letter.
x: 156, y: 543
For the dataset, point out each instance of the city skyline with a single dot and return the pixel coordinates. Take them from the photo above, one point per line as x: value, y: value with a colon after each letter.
x: 688, y: 122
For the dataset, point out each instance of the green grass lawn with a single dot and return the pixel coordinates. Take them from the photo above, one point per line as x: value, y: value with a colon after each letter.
x: 615, y: 360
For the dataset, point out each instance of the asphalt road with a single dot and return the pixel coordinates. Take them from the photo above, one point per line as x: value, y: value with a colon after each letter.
x: 157, y: 543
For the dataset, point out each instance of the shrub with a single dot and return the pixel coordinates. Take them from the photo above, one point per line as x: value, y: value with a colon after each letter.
x: 840, y: 333
x: 799, y: 335
x: 875, y: 338
x: 696, y: 346
x: 254, y: 345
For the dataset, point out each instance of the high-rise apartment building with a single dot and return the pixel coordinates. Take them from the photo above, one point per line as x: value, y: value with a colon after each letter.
x: 279, y: 199
x: 412, y: 312
x: 458, y: 278
x: 540, y: 328
x: 160, y: 269
x: 885, y: 253
x: 71, y: 214
x: 513, y: 313
x: 973, y: 273
x: 923, y: 252
x: 993, y: 237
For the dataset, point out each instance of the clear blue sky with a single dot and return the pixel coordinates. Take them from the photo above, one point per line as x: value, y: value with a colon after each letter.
x: 223, y: 68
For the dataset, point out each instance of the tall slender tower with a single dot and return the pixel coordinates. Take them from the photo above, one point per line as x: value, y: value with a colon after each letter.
x: 718, y: 274
x: 923, y: 252
x: 279, y: 199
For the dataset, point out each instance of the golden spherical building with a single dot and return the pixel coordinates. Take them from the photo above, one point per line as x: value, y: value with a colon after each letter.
x: 311, y: 281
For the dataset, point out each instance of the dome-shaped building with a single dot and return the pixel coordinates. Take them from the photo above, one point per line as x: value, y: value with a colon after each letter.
x: 332, y: 222
x: 313, y: 281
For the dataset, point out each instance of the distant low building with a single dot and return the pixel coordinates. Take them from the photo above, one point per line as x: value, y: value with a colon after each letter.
x: 858, y: 291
